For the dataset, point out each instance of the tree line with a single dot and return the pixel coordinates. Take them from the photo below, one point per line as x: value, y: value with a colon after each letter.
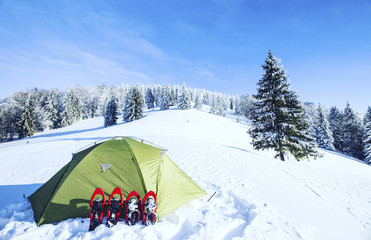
x: 26, y: 112
x: 279, y: 121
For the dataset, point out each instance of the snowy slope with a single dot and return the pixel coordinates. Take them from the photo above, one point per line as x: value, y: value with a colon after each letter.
x: 257, y: 196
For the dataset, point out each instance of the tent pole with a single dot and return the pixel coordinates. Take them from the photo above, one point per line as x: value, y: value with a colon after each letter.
x: 211, y: 197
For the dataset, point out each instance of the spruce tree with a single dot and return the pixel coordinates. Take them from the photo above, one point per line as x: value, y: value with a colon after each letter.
x: 133, y: 105
x: 14, y: 108
x: 217, y: 105
x: 185, y: 99
x: 128, y: 109
x: 367, y: 136
x: 198, y: 100
x: 352, y: 132
x: 2, y: 124
x: 172, y: 97
x: 72, y: 109
x: 336, y: 127
x: 157, y: 94
x: 150, y: 99
x: 27, y: 123
x: 104, y: 95
x: 53, y: 109
x: 93, y: 107
x: 165, y: 97
x: 110, y: 117
x: 278, y: 117
x: 237, y: 108
x: 178, y: 92
x: 207, y: 98
x: 322, y: 132
x: 231, y: 103
x: 245, y: 106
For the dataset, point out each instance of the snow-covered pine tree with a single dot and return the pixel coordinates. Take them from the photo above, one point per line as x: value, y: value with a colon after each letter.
x: 133, y: 106
x: 157, y: 93
x: 367, y: 136
x: 217, y: 105
x: 231, y: 103
x: 207, y: 98
x: 40, y: 98
x: 3, y: 133
x: 192, y: 94
x: 121, y: 96
x: 165, y: 96
x: 2, y: 123
x: 311, y: 115
x: 353, y: 131
x: 336, y: 126
x: 245, y: 106
x: 225, y: 102
x: 298, y: 139
x: 27, y: 123
x: 310, y: 120
x: 185, y: 99
x: 198, y: 99
x: 92, y: 100
x: 237, y: 108
x: 322, y: 132
x: 178, y: 92
x: 138, y: 98
x: 150, y: 99
x: 72, y: 110
x: 172, y: 97
x: 95, y: 104
x: 278, y: 117
x: 85, y: 99
x: 14, y: 107
x: 53, y: 108
x: 110, y: 117
x: 104, y: 96
x: 128, y: 109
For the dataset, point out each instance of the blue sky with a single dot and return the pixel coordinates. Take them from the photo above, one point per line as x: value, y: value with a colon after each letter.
x: 218, y: 45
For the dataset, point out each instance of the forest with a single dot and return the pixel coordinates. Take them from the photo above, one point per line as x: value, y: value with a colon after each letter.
x: 26, y: 112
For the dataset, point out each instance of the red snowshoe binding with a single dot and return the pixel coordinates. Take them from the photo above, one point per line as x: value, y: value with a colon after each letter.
x: 96, y: 209
x: 114, y: 207
x: 132, y: 207
x: 149, y: 208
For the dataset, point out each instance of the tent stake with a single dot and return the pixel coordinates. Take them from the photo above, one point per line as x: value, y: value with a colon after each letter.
x: 211, y: 197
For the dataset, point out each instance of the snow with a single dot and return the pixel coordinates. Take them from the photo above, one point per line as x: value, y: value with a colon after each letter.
x: 257, y: 196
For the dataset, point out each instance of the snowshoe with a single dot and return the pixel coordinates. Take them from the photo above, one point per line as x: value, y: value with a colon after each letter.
x: 151, y: 218
x: 132, y: 208
x: 114, y: 207
x: 149, y: 208
x: 133, y: 218
x: 96, y: 209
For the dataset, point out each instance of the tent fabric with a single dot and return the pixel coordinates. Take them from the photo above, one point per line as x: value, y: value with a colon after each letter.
x: 133, y: 166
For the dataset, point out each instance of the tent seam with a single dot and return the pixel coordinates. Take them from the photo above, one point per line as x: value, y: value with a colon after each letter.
x: 136, y: 165
x: 159, y: 173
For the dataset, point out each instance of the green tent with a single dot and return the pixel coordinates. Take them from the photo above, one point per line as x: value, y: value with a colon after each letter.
x: 118, y: 162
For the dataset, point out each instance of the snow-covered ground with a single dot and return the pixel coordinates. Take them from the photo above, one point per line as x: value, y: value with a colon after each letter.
x: 257, y: 196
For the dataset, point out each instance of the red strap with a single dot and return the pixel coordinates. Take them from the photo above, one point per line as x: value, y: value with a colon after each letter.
x: 114, y: 192
x: 98, y: 191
